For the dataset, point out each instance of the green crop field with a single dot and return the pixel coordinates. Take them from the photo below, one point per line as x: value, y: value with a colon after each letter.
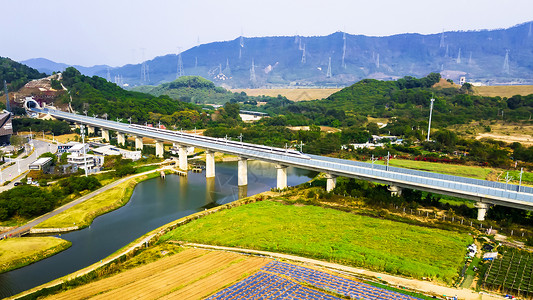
x: 512, y: 272
x: 451, y: 169
x: 333, y: 235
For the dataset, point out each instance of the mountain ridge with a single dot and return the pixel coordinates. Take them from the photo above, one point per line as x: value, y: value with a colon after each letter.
x: 279, y: 61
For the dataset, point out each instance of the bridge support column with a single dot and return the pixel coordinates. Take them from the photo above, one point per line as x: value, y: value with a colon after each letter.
x: 243, y: 171
x: 121, y: 138
x: 209, y: 163
x: 159, y: 150
x: 138, y: 142
x: 481, y: 210
x: 90, y: 130
x: 281, y: 176
x: 331, y: 181
x: 182, y: 152
x: 395, y: 190
x: 105, y: 134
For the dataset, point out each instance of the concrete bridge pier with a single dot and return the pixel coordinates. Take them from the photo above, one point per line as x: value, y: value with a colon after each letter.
x: 159, y: 150
x: 209, y: 163
x: 481, y: 210
x: 331, y: 181
x: 281, y: 176
x: 243, y: 171
x: 138, y: 142
x: 182, y: 152
x: 395, y: 190
x: 90, y: 130
x: 121, y: 138
x: 105, y: 134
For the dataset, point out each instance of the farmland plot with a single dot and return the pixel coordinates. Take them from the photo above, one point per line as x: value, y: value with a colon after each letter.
x: 512, y: 273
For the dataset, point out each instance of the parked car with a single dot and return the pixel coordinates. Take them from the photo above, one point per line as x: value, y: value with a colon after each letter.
x: 18, y: 183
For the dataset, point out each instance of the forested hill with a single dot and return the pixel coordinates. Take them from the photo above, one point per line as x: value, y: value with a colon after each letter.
x: 16, y: 74
x: 194, y: 89
x: 280, y: 61
x: 96, y: 96
x: 404, y: 102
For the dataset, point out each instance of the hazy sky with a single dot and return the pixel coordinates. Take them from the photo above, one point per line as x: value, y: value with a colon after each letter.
x: 89, y: 32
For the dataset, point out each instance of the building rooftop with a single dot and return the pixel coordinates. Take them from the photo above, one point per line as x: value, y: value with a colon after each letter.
x: 42, y: 161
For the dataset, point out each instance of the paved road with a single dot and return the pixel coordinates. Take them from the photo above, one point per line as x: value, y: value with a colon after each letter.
x: 12, y: 172
x: 24, y: 228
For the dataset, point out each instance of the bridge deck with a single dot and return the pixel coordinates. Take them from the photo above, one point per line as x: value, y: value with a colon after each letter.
x: 480, y: 190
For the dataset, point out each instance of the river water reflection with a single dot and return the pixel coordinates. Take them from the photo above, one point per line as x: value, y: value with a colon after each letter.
x: 154, y: 202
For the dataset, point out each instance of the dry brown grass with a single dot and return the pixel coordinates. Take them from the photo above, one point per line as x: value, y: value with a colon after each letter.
x: 503, y: 90
x: 291, y: 94
x: 190, y: 274
x: 500, y: 131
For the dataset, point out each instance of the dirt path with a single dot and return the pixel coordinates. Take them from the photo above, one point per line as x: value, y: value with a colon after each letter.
x: 423, y: 286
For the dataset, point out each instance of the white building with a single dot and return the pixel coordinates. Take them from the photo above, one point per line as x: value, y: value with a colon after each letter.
x: 112, y: 150
x: 77, y: 149
x: 42, y: 164
x: 81, y: 161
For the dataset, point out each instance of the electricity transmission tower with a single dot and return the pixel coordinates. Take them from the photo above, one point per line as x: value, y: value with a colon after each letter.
x: 458, y: 60
x: 442, y: 39
x: 343, y: 49
x: 506, y: 68
x: 328, y: 74
x: 180, y: 71
x: 252, y: 72
x: 303, y: 55
x: 145, y: 77
x: 241, y: 44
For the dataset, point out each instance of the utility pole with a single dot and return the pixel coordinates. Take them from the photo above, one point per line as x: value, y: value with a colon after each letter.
x: 430, y: 113
x: 520, y: 183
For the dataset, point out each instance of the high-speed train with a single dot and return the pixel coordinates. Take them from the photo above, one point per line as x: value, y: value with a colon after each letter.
x: 221, y: 141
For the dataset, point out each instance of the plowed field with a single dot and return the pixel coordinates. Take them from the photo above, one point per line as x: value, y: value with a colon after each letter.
x: 191, y: 274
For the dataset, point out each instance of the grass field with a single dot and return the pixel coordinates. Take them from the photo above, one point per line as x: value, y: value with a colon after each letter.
x: 503, y: 90
x: 332, y: 235
x: 291, y: 94
x: 459, y: 170
x: 18, y: 252
x: 190, y: 274
x: 83, y: 214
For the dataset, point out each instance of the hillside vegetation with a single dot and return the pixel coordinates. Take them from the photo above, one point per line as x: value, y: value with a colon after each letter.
x: 97, y: 96
x: 16, y: 74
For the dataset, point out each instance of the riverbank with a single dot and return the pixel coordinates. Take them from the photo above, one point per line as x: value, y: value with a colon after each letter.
x: 19, y: 252
x: 83, y: 214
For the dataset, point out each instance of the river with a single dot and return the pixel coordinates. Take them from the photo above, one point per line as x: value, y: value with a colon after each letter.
x: 154, y: 202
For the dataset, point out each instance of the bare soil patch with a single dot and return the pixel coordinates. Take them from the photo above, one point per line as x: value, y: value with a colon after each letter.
x: 291, y: 94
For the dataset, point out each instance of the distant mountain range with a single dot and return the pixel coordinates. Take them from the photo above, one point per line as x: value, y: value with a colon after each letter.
x: 502, y: 56
x: 47, y: 66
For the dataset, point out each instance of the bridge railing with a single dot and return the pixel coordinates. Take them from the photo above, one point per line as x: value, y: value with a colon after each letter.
x: 457, y: 183
x: 474, y: 181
